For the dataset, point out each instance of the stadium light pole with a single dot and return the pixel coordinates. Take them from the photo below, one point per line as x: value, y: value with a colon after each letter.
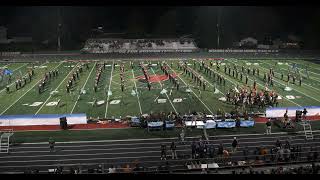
x: 218, y: 27
x: 59, y: 29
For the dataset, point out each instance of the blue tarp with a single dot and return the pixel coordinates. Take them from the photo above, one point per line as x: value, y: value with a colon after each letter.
x: 135, y: 120
x: 246, y: 123
x: 226, y: 124
x: 155, y: 124
x: 169, y: 124
x: 8, y: 72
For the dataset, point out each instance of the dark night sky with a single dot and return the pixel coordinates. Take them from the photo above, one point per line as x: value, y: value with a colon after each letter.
x: 236, y: 22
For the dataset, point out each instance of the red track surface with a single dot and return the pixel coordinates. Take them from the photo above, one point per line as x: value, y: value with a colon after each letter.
x: 156, y: 78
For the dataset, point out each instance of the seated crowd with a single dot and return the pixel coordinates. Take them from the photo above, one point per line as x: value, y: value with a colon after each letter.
x: 123, y: 45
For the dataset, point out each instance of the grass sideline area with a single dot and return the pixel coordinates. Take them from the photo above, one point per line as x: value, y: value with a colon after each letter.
x: 135, y: 133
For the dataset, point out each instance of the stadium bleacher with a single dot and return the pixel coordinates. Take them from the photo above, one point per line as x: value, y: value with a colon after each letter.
x: 139, y: 45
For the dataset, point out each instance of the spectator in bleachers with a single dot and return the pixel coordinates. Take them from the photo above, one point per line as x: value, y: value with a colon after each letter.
x: 59, y: 170
x: 71, y: 170
x: 278, y: 144
x: 220, y: 150
x: 310, y: 154
x: 287, y: 144
x: 127, y: 169
x: 263, y: 152
x: 112, y: 169
x: 193, y: 149
x: 245, y: 153
x: 315, y: 153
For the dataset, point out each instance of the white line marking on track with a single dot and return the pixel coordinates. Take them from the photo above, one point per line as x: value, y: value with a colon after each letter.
x: 184, y: 149
x: 152, y: 139
x: 227, y: 142
x: 83, y: 87
x: 61, y: 160
x: 54, y: 90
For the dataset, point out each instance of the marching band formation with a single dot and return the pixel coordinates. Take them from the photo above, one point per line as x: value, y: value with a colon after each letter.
x: 21, y: 83
x: 75, y: 75
x: 246, y: 96
x: 46, y: 79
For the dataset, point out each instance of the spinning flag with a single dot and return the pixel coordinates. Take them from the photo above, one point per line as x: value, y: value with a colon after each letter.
x: 109, y: 93
x: 133, y: 93
x: 164, y: 91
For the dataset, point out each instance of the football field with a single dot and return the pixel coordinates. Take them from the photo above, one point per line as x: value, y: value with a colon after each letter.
x: 110, y: 102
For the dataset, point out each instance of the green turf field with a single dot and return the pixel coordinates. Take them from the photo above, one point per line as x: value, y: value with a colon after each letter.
x: 145, y: 101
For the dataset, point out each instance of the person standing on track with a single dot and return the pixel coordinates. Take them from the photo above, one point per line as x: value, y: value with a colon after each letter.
x: 304, y: 112
x: 234, y: 144
x: 268, y: 128
x: 163, y: 152
x: 51, y: 144
x: 173, y: 148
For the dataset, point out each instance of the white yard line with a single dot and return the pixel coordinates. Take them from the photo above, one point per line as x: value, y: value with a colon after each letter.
x: 56, y: 88
x: 107, y: 103
x: 191, y: 90
x: 19, y: 67
x: 165, y: 93
x: 135, y: 85
x: 314, y: 73
x: 263, y: 87
x: 23, y: 94
x: 83, y: 87
x: 293, y: 88
x: 5, y: 65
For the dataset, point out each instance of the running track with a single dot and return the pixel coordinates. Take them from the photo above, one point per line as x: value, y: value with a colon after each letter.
x: 119, y: 152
